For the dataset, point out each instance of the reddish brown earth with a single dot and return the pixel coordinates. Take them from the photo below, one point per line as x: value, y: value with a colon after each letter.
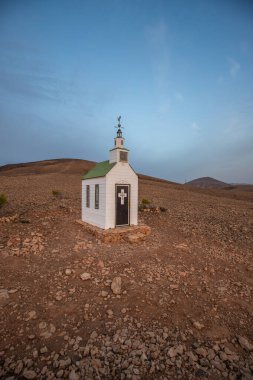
x: 184, y: 309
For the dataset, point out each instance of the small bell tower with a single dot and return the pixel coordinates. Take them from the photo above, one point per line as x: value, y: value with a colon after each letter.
x: 118, y: 153
x: 119, y: 139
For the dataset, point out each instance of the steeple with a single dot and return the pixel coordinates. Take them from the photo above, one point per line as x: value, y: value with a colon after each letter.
x: 119, y: 140
x: 118, y: 153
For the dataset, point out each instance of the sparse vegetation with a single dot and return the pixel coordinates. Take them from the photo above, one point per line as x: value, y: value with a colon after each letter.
x: 57, y: 194
x: 145, y: 201
x: 146, y: 205
x: 24, y: 221
x: 180, y: 283
x: 3, y: 200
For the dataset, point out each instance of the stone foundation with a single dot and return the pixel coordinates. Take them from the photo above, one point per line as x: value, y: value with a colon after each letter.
x: 131, y: 234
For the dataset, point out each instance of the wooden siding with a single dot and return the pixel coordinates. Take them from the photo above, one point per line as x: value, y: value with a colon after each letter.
x: 113, y: 156
x: 121, y: 173
x: 90, y: 214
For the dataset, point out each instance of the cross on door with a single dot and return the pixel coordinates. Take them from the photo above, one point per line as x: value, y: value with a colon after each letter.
x: 122, y: 195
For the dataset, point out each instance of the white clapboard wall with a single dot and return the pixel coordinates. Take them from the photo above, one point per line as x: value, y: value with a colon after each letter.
x: 121, y: 173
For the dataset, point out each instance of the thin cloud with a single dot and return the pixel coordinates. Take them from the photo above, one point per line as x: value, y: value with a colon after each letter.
x: 234, y: 67
x: 164, y: 107
x: 195, y: 127
x: 158, y: 40
x: 157, y: 34
x: 179, y: 96
x: 36, y: 86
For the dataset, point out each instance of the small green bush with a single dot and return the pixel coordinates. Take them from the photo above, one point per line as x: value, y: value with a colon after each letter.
x: 3, y: 200
x: 24, y: 221
x: 57, y: 194
x: 145, y: 201
x: 141, y: 207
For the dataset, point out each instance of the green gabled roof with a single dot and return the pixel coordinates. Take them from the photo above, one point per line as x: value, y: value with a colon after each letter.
x: 100, y: 170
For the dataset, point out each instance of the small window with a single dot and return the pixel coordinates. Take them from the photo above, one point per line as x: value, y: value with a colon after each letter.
x: 123, y: 156
x: 96, y: 196
x: 87, y: 195
x: 121, y: 142
x: 114, y: 142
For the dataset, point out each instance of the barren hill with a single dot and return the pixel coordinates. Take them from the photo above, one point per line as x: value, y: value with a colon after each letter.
x: 185, y: 306
x: 63, y: 165
x: 207, y: 183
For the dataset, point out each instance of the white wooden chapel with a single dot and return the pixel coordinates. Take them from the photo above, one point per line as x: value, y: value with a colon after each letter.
x: 110, y: 189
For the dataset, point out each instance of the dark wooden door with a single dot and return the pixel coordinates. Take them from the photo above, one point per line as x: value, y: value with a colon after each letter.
x: 122, y: 205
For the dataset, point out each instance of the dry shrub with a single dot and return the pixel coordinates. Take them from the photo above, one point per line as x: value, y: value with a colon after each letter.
x: 3, y: 200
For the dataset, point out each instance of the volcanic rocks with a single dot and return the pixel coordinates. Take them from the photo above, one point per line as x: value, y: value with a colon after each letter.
x: 116, y: 285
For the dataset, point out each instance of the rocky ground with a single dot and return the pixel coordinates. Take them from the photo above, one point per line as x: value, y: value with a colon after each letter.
x: 175, y: 306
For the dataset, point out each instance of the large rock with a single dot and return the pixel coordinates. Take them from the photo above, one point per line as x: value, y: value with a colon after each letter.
x: 245, y: 343
x: 176, y: 350
x: 73, y: 375
x: 116, y: 285
x: 4, y: 296
x: 135, y: 238
x: 19, y: 366
x: 197, y: 325
x: 85, y: 276
x: 31, y: 315
x: 48, y: 331
x: 201, y: 351
x: 29, y: 374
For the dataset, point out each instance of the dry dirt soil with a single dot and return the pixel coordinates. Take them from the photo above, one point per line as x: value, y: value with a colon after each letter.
x: 183, y: 309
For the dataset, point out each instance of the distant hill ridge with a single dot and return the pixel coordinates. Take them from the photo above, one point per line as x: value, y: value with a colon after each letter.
x: 207, y: 183
x: 79, y: 167
x: 60, y: 165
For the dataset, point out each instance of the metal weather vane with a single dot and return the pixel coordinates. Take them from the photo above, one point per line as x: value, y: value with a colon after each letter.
x: 119, y: 132
x: 119, y: 124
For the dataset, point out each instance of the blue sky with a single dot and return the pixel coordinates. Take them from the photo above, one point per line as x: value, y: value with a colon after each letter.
x: 180, y: 73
